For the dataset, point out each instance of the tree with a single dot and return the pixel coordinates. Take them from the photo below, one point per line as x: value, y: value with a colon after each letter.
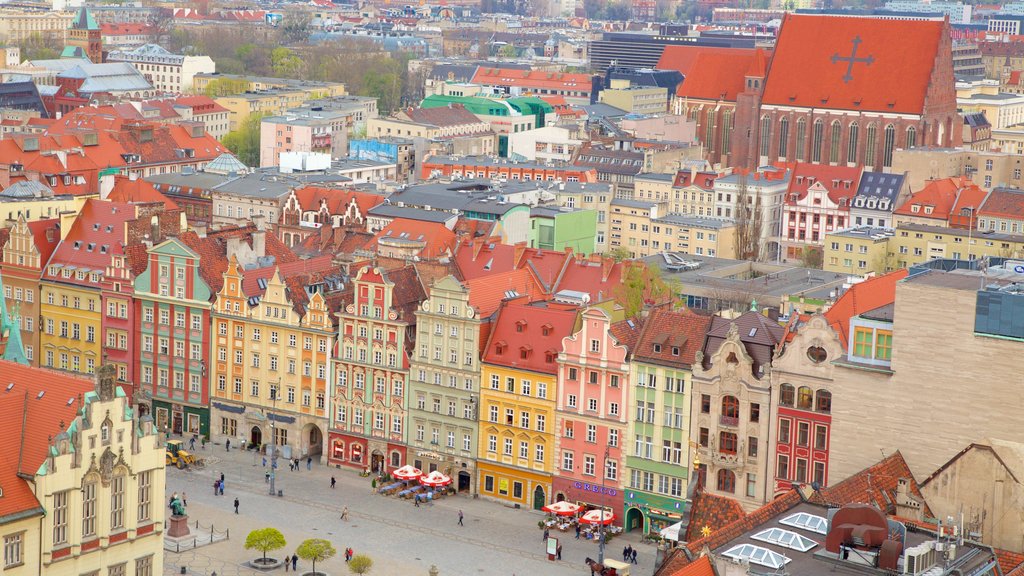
x: 749, y: 222
x: 507, y: 51
x: 619, y: 254
x: 812, y: 257
x: 641, y: 285
x: 360, y: 564
x: 316, y: 550
x: 265, y: 540
x: 244, y: 142
x: 294, y: 27
x: 225, y: 87
x: 37, y: 47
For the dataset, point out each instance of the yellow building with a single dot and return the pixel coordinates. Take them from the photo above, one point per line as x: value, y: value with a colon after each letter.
x: 642, y: 228
x: 270, y: 357
x: 245, y: 95
x: 17, y: 26
x: 517, y: 401
x: 35, y: 201
x: 87, y: 494
x: 635, y: 99
x: 858, y: 251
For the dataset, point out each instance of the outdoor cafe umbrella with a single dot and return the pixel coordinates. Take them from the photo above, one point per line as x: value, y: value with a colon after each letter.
x: 594, y: 517
x: 407, y: 472
x: 562, y: 508
x: 435, y: 479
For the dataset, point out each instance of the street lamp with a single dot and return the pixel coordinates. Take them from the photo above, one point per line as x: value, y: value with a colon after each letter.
x: 600, y: 534
x: 273, y: 441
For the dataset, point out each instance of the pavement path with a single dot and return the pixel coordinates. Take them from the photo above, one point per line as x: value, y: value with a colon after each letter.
x: 400, y: 538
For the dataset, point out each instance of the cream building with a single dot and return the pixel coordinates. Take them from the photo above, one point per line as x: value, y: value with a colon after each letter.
x: 985, y: 168
x: 17, y: 25
x: 635, y: 99
x: 88, y: 497
x: 167, y: 72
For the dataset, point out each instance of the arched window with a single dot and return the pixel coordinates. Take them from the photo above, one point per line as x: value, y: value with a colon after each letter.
x: 396, y: 459
x: 766, y: 134
x: 787, y: 395
x: 817, y: 135
x: 692, y: 113
x: 726, y: 131
x: 870, y: 142
x: 801, y: 139
x: 835, y: 131
x: 783, y: 137
x: 805, y: 398
x: 888, y: 145
x: 911, y: 137
x: 726, y: 481
x: 823, y: 401
x: 730, y: 407
x: 851, y: 146
x: 727, y: 442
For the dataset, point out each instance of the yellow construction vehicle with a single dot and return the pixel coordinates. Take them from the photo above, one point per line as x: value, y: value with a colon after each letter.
x: 177, y: 455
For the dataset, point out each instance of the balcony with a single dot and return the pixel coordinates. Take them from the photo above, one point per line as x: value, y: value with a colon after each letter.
x: 731, y: 421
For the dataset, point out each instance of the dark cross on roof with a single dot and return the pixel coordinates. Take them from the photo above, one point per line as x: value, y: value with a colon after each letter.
x: 852, y: 59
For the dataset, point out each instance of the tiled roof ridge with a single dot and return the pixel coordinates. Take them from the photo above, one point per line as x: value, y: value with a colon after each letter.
x: 755, y: 518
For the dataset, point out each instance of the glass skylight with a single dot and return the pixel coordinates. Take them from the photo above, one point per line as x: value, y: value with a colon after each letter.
x: 785, y: 538
x: 757, y: 555
x: 807, y: 522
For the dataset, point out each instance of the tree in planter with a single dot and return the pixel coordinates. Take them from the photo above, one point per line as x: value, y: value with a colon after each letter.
x: 265, y: 540
x: 316, y: 550
x: 360, y: 564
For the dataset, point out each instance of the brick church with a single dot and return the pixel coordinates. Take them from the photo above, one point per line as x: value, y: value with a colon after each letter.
x: 835, y: 90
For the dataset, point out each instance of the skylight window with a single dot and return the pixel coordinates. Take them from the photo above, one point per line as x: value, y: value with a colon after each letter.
x: 806, y: 521
x: 757, y: 555
x: 785, y: 538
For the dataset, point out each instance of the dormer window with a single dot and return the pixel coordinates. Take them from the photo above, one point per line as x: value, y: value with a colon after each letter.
x: 499, y: 348
x: 549, y: 357
x: 675, y: 350
x: 657, y: 348
x: 521, y: 326
x: 524, y: 352
x: 915, y: 208
x: 546, y: 329
x: 928, y: 209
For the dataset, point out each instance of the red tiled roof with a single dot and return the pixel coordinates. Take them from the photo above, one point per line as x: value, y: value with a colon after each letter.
x: 532, y: 79
x: 336, y: 200
x: 862, y: 297
x: 96, y: 235
x: 137, y: 191
x: 25, y: 439
x: 840, y: 181
x: 738, y: 527
x: 875, y: 485
x: 703, y: 180
x: 598, y: 276
x: 535, y: 329
x: 683, y: 329
x: 200, y: 104
x: 941, y: 195
x: 627, y: 332
x: 1003, y: 203
x: 699, y: 567
x: 438, y: 239
x: 809, y: 67
x: 487, y: 292
x: 711, y: 512
x: 1009, y: 562
x: 709, y: 73
x: 212, y: 250
x: 484, y: 256
x: 45, y: 242
x: 127, y: 29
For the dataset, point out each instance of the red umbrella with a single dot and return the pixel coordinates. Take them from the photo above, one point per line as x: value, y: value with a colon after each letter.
x: 562, y: 508
x: 407, y: 472
x: 595, y: 517
x: 435, y: 479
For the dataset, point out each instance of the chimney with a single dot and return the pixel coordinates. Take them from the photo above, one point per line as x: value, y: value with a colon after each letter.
x: 259, y: 236
x: 234, y: 248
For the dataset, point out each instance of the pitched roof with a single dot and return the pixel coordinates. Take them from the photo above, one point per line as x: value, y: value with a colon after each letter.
x: 627, y: 332
x: 862, y: 297
x: 811, y: 65
x: 702, y: 566
x: 875, y: 485
x: 487, y: 292
x: 532, y: 79
x: 1004, y: 203
x: 43, y: 401
x: 941, y: 195
x: 96, y: 235
x: 710, y: 73
x: 598, y: 276
x: 46, y: 237
x: 531, y: 329
x: 737, y: 527
x: 759, y: 335
x: 670, y: 329
x: 437, y: 240
x: 213, y: 248
x: 1009, y: 562
x: 455, y: 115
x: 840, y: 181
x: 137, y: 191
x: 336, y: 200
x: 712, y: 512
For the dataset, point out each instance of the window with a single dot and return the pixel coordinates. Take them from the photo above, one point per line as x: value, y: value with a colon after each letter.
x: 508, y: 446
x: 60, y: 518
x: 820, y: 437
x: 702, y: 437
x: 571, y: 400
x: 145, y: 483
x: 787, y: 395
x: 13, y: 550
x: 705, y: 404
x: 567, y: 460
x: 89, y: 510
x: 117, y: 502
x: 801, y: 470
x: 144, y: 566
x: 869, y: 145
x: 862, y: 342
x: 888, y: 145
x: 766, y: 134
x: 851, y: 146
x: 588, y: 465
x: 755, y: 412
x: 730, y: 407
x: 751, y: 485
x: 782, y: 470
x: 524, y: 450
x: 727, y: 442
x: 726, y: 481
x: 784, y: 430
x: 817, y: 135
x: 805, y: 398
x: 591, y: 433
x: 835, y: 133
x: 883, y: 345
x: 783, y: 137
x: 819, y: 473
x: 803, y: 432
x: 823, y: 401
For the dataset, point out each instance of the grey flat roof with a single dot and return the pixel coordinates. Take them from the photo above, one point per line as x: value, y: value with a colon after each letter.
x: 873, y: 232
x: 658, y: 177
x: 476, y: 196
x: 255, y: 185
x: 695, y: 221
x: 196, y: 180
x: 392, y: 211
x: 633, y: 203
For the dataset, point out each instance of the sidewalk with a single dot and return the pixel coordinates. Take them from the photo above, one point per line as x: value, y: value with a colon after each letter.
x: 401, y: 539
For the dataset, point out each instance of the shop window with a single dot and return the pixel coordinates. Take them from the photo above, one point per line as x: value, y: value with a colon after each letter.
x: 488, y: 483
x: 517, y: 490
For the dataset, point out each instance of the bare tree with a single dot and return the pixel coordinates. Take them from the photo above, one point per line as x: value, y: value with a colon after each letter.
x: 749, y: 216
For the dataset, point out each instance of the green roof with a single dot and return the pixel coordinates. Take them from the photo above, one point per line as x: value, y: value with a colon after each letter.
x: 84, y: 20
x: 531, y: 102
x: 474, y: 104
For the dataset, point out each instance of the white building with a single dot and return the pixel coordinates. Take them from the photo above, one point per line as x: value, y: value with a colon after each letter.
x: 167, y: 72
x: 547, y: 144
x: 958, y: 12
x: 765, y: 187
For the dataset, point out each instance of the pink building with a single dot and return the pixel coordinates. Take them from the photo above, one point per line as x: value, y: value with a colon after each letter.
x: 817, y: 202
x: 324, y: 132
x: 593, y: 384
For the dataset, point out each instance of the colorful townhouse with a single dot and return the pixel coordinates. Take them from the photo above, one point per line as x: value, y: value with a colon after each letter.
x: 371, y: 369
x: 658, y: 451
x: 518, y: 378
x: 271, y: 371
x: 817, y: 202
x: 444, y: 384
x: 72, y: 282
x: 591, y: 412
x: 171, y: 334
x: 28, y: 248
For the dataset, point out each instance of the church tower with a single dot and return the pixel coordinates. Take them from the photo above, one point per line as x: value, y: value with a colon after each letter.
x: 745, y: 150
x: 85, y: 35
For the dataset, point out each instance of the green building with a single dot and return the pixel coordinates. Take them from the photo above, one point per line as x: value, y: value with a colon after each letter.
x: 658, y: 463
x: 558, y: 228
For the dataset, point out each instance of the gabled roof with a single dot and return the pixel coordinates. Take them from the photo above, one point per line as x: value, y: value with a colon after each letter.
x: 710, y: 73
x: 941, y: 195
x: 96, y: 235
x: 875, y: 485
x: 46, y: 237
x: 1004, y: 203
x: 534, y: 329
x: 670, y: 329
x: 437, y: 240
x: 841, y: 182
x: 598, y: 276
x: 759, y: 335
x: 84, y: 20
x: 702, y: 566
x: 862, y: 297
x: 137, y: 191
x: 627, y: 332
x: 811, y: 68
x: 712, y: 512
x: 25, y: 439
x: 487, y: 292
x: 336, y: 200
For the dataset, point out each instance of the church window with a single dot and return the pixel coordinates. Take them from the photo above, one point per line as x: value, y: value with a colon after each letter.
x: 817, y: 135
x: 835, y: 131
x: 766, y: 134
x: 851, y: 147
x: 869, y: 146
x: 888, y: 145
x: 911, y: 137
x: 801, y: 139
x: 709, y: 130
x: 726, y: 131
x: 783, y: 137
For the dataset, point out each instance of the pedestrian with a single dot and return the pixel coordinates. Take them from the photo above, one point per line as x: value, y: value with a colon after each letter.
x: 184, y: 499
x: 625, y: 553
x: 295, y: 562
x: 546, y: 534
x: 558, y: 552
x: 577, y: 531
x: 202, y: 442
x: 344, y: 513
x: 192, y: 444
x: 460, y: 518
x: 333, y: 482
x: 236, y: 505
x: 286, y: 564
x: 221, y: 477
x: 416, y: 499
x: 216, y: 487
x: 309, y: 462
x: 266, y: 477
x: 227, y: 445
x: 264, y: 461
x: 633, y: 556
x: 348, y: 554
x: 221, y: 487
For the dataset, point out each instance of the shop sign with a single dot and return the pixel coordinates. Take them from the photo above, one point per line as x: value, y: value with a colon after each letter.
x: 596, y: 488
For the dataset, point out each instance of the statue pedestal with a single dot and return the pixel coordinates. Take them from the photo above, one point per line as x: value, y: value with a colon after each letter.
x: 177, y: 527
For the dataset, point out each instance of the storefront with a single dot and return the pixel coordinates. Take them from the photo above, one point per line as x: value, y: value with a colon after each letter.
x: 369, y: 454
x: 461, y: 470
x: 651, y: 512
x: 588, y: 495
x: 181, y: 419
x: 513, y: 485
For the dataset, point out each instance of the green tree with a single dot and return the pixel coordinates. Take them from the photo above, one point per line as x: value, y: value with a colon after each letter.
x: 360, y: 564
x: 244, y: 142
x: 36, y: 47
x: 265, y: 540
x: 225, y: 87
x: 619, y: 254
x: 385, y: 87
x: 812, y: 258
x: 285, y: 62
x: 507, y: 51
x: 316, y: 550
x: 641, y: 285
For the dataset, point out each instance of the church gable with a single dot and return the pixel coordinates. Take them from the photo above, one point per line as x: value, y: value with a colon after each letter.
x: 863, y: 64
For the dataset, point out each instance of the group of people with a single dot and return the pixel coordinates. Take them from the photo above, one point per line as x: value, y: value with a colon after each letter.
x: 629, y: 554
x: 218, y: 486
x: 293, y: 560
